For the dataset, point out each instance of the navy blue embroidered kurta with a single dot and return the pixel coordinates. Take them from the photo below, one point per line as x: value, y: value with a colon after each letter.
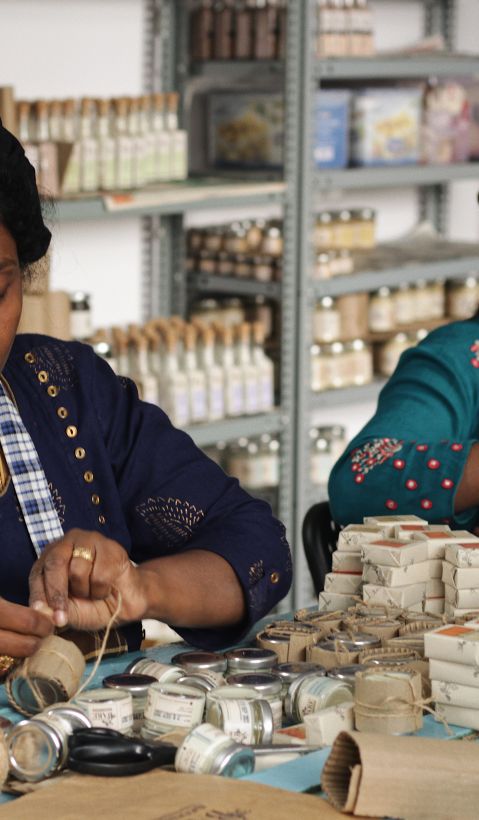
x: 115, y: 464
x: 409, y: 458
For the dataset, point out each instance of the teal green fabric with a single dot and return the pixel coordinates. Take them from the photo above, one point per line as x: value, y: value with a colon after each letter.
x: 409, y: 458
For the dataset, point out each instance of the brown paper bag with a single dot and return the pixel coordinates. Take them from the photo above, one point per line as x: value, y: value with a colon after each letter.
x: 406, y: 777
x: 161, y: 795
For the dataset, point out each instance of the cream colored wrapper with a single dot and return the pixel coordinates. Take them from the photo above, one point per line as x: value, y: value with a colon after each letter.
x: 347, y: 561
x: 291, y: 650
x: 333, y: 601
x: 388, y: 701
x: 389, y: 522
x: 385, y: 654
x: 323, y: 727
x: 343, y: 582
x: 462, y: 598
x: 407, y: 532
x: 396, y: 576
x: 455, y: 694
x: 460, y: 578
x: 435, y: 588
x: 384, y: 629
x: 352, y: 537
x: 434, y: 605
x: 459, y: 644
x: 435, y: 569
x: 394, y: 553
x: 457, y: 615
x: 394, y: 596
x: 454, y: 672
x: 464, y: 555
x: 436, y: 541
x: 458, y: 716
x: 408, y: 777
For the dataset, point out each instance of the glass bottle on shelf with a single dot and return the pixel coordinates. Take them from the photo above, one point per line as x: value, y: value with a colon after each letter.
x: 381, y: 316
x: 106, y: 146
x: 196, y: 377
x: 462, y: 298
x: 249, y: 371
x: 422, y: 301
x: 265, y: 369
x: 174, y: 396
x: 237, y: 458
x: 80, y: 315
x: 265, y: 30
x: 145, y: 380
x: 133, y: 120
x: 88, y: 147
x: 120, y: 346
x: 390, y: 352
x: 243, y: 30
x: 213, y: 373
x: 178, y: 139
x: 269, y: 456
x: 233, y: 377
x: 437, y: 296
x: 47, y: 150
x: 326, y: 321
x: 404, y: 308
x: 161, y: 139
x: 223, y: 29
x: 71, y: 175
x: 55, y: 120
x: 201, y: 30
x: 148, y: 169
x: 358, y: 360
x: 123, y: 145
x: 321, y: 461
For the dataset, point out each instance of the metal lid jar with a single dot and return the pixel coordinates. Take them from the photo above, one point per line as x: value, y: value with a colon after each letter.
x: 173, y: 705
x: 111, y: 708
x: 381, y: 314
x: 206, y: 681
x: 311, y: 693
x: 267, y: 686
x: 240, y: 714
x: 208, y: 750
x: 346, y: 674
x: 251, y: 659
x: 164, y: 672
x: 201, y: 661
x: 137, y: 685
x: 289, y: 672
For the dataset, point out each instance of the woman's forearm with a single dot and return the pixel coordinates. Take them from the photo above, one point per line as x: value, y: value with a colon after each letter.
x: 192, y: 589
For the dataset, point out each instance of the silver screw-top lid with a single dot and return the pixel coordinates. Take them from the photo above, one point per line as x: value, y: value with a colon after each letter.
x: 201, y: 661
x: 265, y: 684
x: 251, y: 658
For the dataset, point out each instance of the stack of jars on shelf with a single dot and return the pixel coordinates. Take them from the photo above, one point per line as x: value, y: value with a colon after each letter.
x: 245, y: 250
x: 238, y: 29
x: 194, y: 371
x: 357, y: 334
x: 337, y: 236
x: 345, y: 28
x: 88, y: 145
x: 327, y: 445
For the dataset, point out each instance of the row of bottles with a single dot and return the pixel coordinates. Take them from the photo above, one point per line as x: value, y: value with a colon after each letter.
x: 90, y: 144
x: 195, y: 372
x: 238, y: 29
x: 246, y: 250
x: 345, y: 28
x: 231, y: 311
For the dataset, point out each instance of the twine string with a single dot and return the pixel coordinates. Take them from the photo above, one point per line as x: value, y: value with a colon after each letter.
x: 103, y: 646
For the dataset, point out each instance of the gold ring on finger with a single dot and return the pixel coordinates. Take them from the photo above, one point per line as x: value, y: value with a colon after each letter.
x: 83, y: 552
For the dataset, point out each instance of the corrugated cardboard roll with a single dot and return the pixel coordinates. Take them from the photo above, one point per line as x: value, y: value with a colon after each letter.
x: 3, y: 759
x: 58, y: 314
x: 413, y: 777
x: 33, y: 318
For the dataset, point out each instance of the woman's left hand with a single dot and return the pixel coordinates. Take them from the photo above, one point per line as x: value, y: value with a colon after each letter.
x: 80, y: 577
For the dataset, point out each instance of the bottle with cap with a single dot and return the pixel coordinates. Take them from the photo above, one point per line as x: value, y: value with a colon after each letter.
x: 80, y: 315
x: 89, y: 153
x: 232, y: 374
x: 178, y: 139
x: 381, y: 315
x: 251, y: 659
x: 124, y: 145
x: 106, y: 146
x: 214, y: 377
x: 173, y: 384
x: 310, y: 693
x: 69, y: 128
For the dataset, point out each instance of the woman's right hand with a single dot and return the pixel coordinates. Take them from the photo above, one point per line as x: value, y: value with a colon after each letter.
x: 22, y: 629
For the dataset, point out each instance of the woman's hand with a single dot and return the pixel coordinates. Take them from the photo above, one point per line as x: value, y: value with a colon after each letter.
x: 79, y: 578
x: 22, y: 629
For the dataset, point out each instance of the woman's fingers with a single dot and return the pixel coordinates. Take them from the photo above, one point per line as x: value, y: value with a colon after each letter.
x: 22, y: 629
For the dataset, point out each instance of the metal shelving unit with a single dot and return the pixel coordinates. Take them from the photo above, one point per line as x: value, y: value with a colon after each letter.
x: 415, y: 66
x: 347, y: 395
x: 204, y: 283
x: 399, y: 176
x: 205, y: 435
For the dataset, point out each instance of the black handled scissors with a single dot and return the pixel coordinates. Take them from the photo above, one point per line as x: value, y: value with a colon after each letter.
x: 110, y: 754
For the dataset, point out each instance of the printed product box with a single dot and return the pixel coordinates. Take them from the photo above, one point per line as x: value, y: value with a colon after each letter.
x: 246, y: 130
x: 386, y: 126
x: 331, y: 129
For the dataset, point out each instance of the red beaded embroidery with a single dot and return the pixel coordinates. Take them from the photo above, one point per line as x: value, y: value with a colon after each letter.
x: 447, y: 484
x: 373, y: 454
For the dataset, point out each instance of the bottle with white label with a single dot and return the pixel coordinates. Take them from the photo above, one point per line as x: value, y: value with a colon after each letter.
x: 155, y: 350
x: 249, y: 372
x: 196, y: 377
x: 137, y: 141
x: 124, y: 145
x: 89, y: 154
x: 80, y: 315
x: 213, y: 373
x: 145, y: 380
x: 71, y: 176
x: 47, y: 150
x: 162, y: 140
x: 148, y: 170
x: 106, y: 146
x: 25, y: 136
x: 174, y: 394
x: 265, y: 369
x: 233, y: 376
x: 55, y: 120
x: 120, y: 345
x: 178, y: 139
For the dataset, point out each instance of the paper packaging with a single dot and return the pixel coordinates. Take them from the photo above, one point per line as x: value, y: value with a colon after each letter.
x: 332, y: 601
x: 464, y: 554
x: 347, y: 561
x: 352, y: 537
x: 455, y: 694
x: 57, y: 311
x: 396, y: 576
x: 323, y: 727
x: 435, y: 588
x: 459, y: 644
x: 458, y: 716
x: 387, y: 701
x: 394, y: 596
x: 462, y: 598
x: 343, y: 582
x: 389, y: 522
x: 434, y: 605
x: 33, y: 318
x: 407, y: 532
x: 393, y: 553
x: 454, y: 673
x: 460, y: 578
x: 455, y: 612
x: 414, y: 777
x: 436, y: 541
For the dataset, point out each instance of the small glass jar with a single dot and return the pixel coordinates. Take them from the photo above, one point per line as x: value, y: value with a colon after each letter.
x: 264, y: 268
x: 241, y: 715
x: 437, y: 296
x: 206, y: 681
x: 80, y: 315
x: 356, y: 642
x: 346, y: 674
x: 323, y: 232
x: 195, y: 239
x: 390, y: 352
x: 255, y: 234
x: 422, y: 301
x: 235, y: 239
x: 208, y: 750
x: 343, y: 230
x: 381, y: 313
x: 207, y: 262
x: 213, y: 239
x: 404, y: 308
x: 173, y: 705
x: 207, y: 310
x: 110, y: 708
x: 311, y: 693
x: 212, y: 664
x: 323, y: 266
x: 320, y: 369
x: 137, y: 685
x: 337, y: 361
x: 321, y: 461
x: 365, y: 237
x: 289, y: 672
x: 343, y: 263
x: 225, y: 264
x: 272, y: 244
x: 267, y: 686
x: 326, y: 321
x: 461, y: 298
x: 243, y: 267
x: 232, y: 312
x: 251, y: 659
x: 358, y: 362
x: 38, y: 748
x: 163, y: 672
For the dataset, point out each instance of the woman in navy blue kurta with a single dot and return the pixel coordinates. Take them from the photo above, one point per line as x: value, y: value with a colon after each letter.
x: 419, y: 452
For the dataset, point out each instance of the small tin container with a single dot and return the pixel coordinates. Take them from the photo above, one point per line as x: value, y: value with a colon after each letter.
x: 208, y: 750
x: 194, y: 662
x: 173, y: 705
x: 137, y: 686
x: 206, y: 681
x: 112, y: 708
x: 356, y: 641
x: 311, y: 693
x: 163, y: 672
x: 241, y: 715
x: 251, y: 659
x: 288, y: 672
x: 346, y: 674
x: 267, y: 687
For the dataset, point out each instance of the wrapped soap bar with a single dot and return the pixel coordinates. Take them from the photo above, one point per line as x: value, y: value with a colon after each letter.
x: 462, y: 598
x: 334, y: 601
x: 396, y: 576
x: 343, y: 582
x: 323, y: 727
x: 458, y: 715
x: 461, y: 578
x: 455, y: 694
x: 454, y: 673
x: 436, y: 541
x: 435, y: 588
x: 458, y: 615
x: 435, y: 568
x: 406, y: 532
x: 434, y: 605
x: 463, y: 554
x: 347, y: 561
x: 459, y: 644
x: 394, y: 596
x: 394, y: 553
x: 389, y: 522
x: 352, y: 537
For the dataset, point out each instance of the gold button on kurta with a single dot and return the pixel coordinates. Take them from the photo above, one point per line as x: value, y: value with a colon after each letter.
x: 30, y: 358
x: 53, y: 390
x: 80, y: 452
x: 88, y: 476
x: 274, y: 577
x: 71, y: 431
x: 95, y: 499
x: 101, y: 519
x: 62, y: 412
x: 42, y: 376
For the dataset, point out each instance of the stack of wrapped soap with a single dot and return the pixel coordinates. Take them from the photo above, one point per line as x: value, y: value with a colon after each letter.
x: 453, y: 653
x: 395, y: 573
x: 460, y: 574
x: 343, y: 585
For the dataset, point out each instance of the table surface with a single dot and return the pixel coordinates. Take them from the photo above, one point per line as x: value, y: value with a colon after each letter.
x: 298, y: 775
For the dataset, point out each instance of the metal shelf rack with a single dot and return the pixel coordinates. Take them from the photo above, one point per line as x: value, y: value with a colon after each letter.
x: 205, y: 435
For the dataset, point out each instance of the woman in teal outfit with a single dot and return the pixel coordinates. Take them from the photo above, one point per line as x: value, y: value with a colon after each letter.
x: 419, y: 454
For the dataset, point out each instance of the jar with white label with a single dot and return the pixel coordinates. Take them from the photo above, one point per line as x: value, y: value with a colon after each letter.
x: 206, y: 681
x: 326, y: 321
x: 251, y: 659
x: 437, y: 297
x: 342, y: 262
x: 235, y: 239
x: 110, y: 708
x: 311, y: 693
x: 173, y: 705
x: 137, y: 685
x: 337, y: 361
x: 461, y: 298
x: 321, y: 461
x: 164, y: 672
x: 323, y: 231
x: 322, y: 268
x: 269, y: 460
x: 381, y: 314
x: 272, y: 244
x: 38, y: 748
x: 289, y: 672
x: 358, y: 362
x: 225, y: 264
x: 264, y: 268
x: 320, y: 369
x: 422, y: 301
x: 208, y: 750
x: 336, y: 435
x: 213, y: 664
x: 241, y: 715
x: 343, y: 230
x: 346, y: 674
x: 390, y: 352
x: 404, y: 307
x: 80, y: 315
x: 267, y: 686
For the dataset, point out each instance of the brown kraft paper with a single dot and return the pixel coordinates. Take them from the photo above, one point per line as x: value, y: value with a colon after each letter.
x: 405, y: 777
x: 388, y: 701
x: 315, y: 654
